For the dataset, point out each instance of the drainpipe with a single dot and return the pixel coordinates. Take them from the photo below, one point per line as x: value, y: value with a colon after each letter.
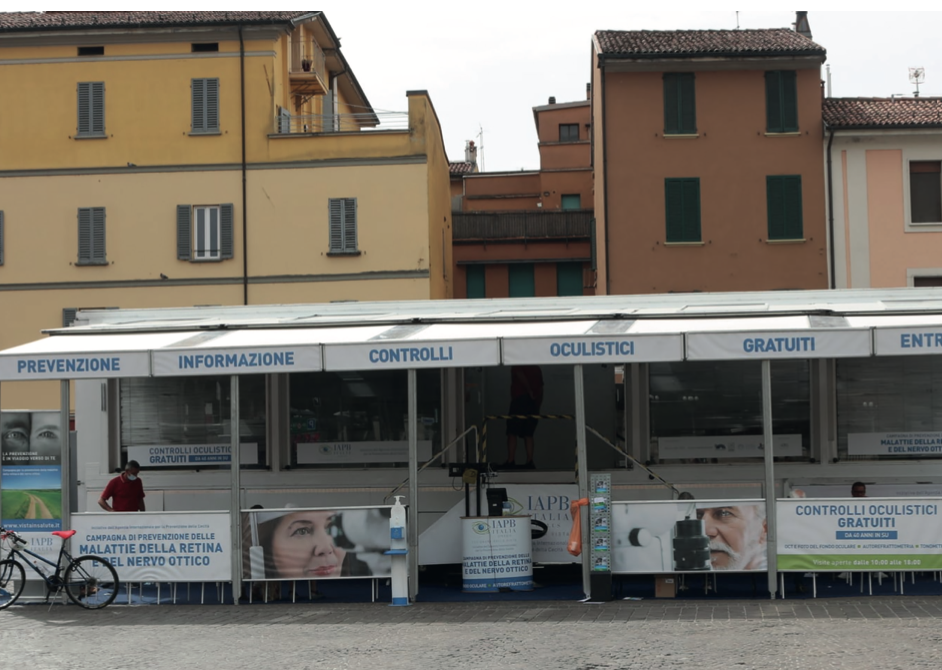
x: 608, y: 271
x: 245, y: 214
x: 831, y: 208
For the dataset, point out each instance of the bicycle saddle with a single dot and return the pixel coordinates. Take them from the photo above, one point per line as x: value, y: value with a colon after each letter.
x: 64, y: 534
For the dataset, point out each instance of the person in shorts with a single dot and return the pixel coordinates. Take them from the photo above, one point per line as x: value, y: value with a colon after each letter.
x: 526, y: 397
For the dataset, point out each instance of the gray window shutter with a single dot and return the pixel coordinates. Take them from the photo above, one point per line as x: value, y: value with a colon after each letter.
x: 349, y: 224
x: 226, y: 231
x: 91, y: 108
x: 1, y: 238
x: 68, y: 316
x: 284, y: 121
x: 84, y: 236
x: 198, y: 87
x: 98, y: 107
x: 98, y: 235
x: 184, y: 234
x: 84, y: 108
x: 212, y: 104
x: 336, y: 224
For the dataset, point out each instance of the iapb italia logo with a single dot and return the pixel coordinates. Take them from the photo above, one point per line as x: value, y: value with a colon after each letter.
x: 481, y: 528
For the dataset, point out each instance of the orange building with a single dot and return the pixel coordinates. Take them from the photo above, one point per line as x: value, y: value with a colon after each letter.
x: 708, y: 166
x: 529, y: 233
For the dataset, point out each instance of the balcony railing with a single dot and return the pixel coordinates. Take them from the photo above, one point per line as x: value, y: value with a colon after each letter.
x: 289, y: 124
x: 308, y: 57
x: 525, y: 225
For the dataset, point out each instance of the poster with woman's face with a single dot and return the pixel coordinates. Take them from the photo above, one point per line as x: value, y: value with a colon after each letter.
x: 315, y: 543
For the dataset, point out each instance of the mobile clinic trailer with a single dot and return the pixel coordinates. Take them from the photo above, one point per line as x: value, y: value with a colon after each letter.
x: 333, y: 406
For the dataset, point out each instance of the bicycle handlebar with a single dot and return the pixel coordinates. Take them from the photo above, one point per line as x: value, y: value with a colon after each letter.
x: 4, y: 534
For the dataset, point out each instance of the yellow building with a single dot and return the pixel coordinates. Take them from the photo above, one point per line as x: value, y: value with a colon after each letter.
x: 152, y: 159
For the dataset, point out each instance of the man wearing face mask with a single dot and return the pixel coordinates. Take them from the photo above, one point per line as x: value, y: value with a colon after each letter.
x: 125, y: 491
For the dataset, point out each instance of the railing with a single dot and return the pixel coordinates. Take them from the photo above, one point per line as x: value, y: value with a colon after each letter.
x: 307, y: 57
x: 289, y: 124
x: 522, y: 225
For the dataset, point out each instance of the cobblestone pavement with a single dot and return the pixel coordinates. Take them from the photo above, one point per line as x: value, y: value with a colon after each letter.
x: 874, y: 632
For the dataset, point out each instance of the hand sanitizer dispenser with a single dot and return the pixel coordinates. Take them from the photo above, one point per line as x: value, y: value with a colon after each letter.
x: 399, y: 554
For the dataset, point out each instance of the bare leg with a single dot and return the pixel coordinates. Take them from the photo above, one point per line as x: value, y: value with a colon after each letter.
x: 512, y: 448
x: 528, y: 442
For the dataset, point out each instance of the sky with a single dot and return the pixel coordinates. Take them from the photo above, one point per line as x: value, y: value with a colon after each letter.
x: 486, y: 64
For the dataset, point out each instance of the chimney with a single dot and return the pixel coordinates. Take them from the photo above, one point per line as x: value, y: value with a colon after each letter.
x: 470, y: 153
x: 802, y: 27
x: 552, y: 100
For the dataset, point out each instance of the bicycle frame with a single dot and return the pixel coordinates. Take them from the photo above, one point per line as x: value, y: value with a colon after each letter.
x: 49, y: 579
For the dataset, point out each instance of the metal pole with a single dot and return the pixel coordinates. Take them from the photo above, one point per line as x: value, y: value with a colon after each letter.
x: 413, y: 488
x: 66, y: 465
x: 767, y: 440
x: 235, y: 505
x: 583, y: 464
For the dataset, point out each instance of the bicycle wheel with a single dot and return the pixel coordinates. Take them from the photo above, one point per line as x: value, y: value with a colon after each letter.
x: 91, y: 582
x: 12, y: 581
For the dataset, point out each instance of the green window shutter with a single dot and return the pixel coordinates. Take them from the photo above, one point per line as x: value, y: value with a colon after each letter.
x: 781, y: 101
x: 1, y: 238
x: 184, y: 232
x: 521, y: 280
x: 682, y: 204
x: 680, y: 107
x: 335, y: 207
x: 226, y: 232
x: 476, y: 287
x: 783, y: 194
x: 568, y: 279
x: 349, y: 224
x: 773, y: 102
x: 789, y: 101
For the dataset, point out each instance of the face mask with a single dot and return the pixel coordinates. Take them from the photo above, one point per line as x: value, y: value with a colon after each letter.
x: 131, y: 478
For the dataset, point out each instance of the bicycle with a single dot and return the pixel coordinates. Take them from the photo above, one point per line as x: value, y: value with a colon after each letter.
x: 89, y: 581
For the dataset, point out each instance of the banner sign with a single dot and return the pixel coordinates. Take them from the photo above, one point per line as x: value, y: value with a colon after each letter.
x: 831, y: 343
x: 911, y: 445
x: 595, y: 349
x: 440, y: 543
x: 496, y: 554
x: 316, y: 543
x: 204, y: 361
x: 860, y: 534
x: 158, y: 546
x: 99, y: 365
x: 888, y: 490
x: 739, y: 446
x: 192, y: 455
x: 689, y: 536
x: 392, y: 451
x: 907, y: 341
x: 405, y: 355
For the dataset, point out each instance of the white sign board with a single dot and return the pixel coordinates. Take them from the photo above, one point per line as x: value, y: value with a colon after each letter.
x: 496, y: 554
x: 440, y: 543
x: 392, y: 451
x: 596, y: 349
x: 405, y: 355
x: 912, y: 445
x: 74, y: 366
x: 724, y: 346
x: 726, y: 446
x: 191, y: 455
x: 907, y: 341
x: 158, y: 546
x: 258, y: 360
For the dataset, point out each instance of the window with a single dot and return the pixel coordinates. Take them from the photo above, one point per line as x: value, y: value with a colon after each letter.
x: 204, y: 47
x: 1, y: 238
x: 68, y: 316
x: 91, y: 109
x: 680, y: 109
x: 477, y: 287
x: 781, y: 102
x: 571, y: 201
x: 927, y: 281
x: 205, y: 104
x: 204, y: 232
x: 568, y: 132
x: 682, y: 200
x: 91, y: 51
x: 925, y: 191
x: 569, y: 279
x: 783, y: 195
x: 521, y: 281
x: 343, y: 225
x: 91, y: 236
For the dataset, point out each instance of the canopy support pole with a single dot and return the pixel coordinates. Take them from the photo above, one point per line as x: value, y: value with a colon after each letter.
x: 413, y: 525
x: 68, y: 480
x: 767, y: 440
x: 582, y: 462
x: 235, y: 505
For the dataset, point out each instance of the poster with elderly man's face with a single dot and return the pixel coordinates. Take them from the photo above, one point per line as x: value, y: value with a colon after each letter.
x: 689, y: 536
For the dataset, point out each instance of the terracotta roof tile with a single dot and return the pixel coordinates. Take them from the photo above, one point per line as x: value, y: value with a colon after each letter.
x: 693, y: 43
x: 864, y: 113
x: 32, y: 21
x: 461, y: 167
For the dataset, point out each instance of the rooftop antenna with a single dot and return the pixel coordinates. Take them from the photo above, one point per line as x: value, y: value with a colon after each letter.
x: 737, y: 20
x: 480, y: 138
x: 917, y: 75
